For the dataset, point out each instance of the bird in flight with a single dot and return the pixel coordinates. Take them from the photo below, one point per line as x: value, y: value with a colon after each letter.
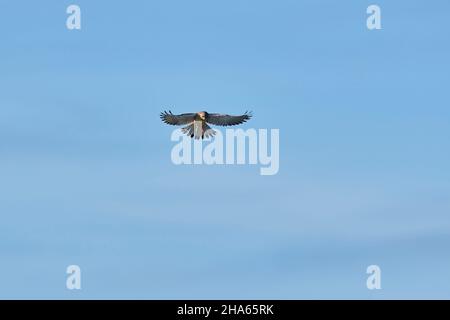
x: 197, y: 123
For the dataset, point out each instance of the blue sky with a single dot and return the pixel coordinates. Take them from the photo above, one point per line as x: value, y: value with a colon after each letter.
x: 85, y: 170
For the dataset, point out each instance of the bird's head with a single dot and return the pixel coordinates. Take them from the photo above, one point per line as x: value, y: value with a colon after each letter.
x: 202, y: 115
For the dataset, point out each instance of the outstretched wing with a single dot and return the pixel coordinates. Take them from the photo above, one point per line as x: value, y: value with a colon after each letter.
x: 177, y: 119
x: 226, y: 119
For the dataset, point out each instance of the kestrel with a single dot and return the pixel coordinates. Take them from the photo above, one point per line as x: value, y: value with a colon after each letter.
x: 197, y: 123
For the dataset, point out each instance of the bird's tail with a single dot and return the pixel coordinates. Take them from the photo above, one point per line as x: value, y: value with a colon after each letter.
x: 198, y: 129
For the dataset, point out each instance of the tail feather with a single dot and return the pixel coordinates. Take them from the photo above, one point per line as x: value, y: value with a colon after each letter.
x: 198, y: 130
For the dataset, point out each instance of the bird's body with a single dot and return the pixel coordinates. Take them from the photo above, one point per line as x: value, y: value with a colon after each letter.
x: 197, y: 123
